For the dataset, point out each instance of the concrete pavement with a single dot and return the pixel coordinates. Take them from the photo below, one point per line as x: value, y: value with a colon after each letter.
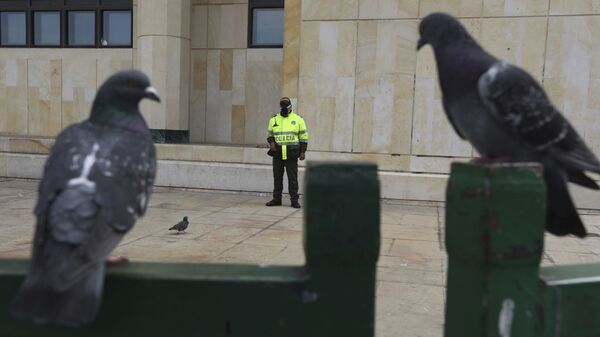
x: 227, y: 227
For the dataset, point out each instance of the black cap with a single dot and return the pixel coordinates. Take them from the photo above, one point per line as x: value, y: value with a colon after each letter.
x: 285, y: 102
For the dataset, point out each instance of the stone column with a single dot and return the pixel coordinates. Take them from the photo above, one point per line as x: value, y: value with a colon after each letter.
x: 163, y: 53
x: 291, y: 50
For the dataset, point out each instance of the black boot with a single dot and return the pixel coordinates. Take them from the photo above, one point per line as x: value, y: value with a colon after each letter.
x: 295, y: 204
x: 274, y: 202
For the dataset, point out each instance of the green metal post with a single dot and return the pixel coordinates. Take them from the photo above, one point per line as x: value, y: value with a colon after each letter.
x: 341, y: 240
x: 333, y: 295
x: 571, y: 300
x: 495, y: 220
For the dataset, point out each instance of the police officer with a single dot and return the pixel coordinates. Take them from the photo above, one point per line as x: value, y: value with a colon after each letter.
x: 288, y: 140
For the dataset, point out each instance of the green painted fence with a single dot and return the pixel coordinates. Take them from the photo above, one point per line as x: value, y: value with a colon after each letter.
x: 495, y: 220
x: 332, y: 295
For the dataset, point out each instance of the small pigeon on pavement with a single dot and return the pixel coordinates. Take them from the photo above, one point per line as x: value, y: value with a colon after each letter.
x: 96, y: 183
x: 181, y: 226
x: 505, y: 114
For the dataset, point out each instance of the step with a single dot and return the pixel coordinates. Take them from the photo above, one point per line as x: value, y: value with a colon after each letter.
x: 237, y: 168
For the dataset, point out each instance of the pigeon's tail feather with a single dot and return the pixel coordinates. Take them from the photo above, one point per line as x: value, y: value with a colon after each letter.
x: 580, y: 178
x: 577, y: 155
x: 173, y: 228
x: 561, y: 214
x: 73, y: 307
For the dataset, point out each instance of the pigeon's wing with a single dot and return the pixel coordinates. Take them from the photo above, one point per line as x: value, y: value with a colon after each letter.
x: 80, y: 238
x: 65, y: 162
x: 96, y: 184
x: 125, y: 177
x: 177, y: 225
x: 123, y: 170
x: 517, y: 101
x: 72, y: 235
x: 446, y: 109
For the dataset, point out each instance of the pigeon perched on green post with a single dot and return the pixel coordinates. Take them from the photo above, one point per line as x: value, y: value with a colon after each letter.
x: 505, y: 114
x: 96, y: 183
x: 181, y: 226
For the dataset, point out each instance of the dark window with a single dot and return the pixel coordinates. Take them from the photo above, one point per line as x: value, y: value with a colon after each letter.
x: 66, y: 23
x: 116, y: 28
x: 13, y: 28
x: 46, y: 28
x: 265, y: 23
x: 82, y: 28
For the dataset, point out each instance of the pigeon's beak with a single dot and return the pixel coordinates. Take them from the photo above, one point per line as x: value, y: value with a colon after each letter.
x: 421, y: 43
x: 152, y: 94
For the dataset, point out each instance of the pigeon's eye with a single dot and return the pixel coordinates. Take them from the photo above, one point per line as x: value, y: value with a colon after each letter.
x: 131, y: 83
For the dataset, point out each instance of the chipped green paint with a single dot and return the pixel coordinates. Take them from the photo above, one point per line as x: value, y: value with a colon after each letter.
x: 332, y: 295
x: 495, y: 220
x: 494, y: 237
x: 571, y: 299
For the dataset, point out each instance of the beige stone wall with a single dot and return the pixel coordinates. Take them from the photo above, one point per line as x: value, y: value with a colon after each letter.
x: 363, y: 89
x: 163, y: 41
x: 195, y: 52
x: 350, y: 65
x: 234, y: 90
x: 44, y: 90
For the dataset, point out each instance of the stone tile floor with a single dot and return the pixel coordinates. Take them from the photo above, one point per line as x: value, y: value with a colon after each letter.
x: 237, y: 228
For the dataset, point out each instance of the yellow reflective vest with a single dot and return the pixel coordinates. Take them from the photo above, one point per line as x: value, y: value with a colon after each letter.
x: 288, y: 132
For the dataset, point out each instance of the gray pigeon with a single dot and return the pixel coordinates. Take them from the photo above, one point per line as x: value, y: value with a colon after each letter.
x: 181, y: 226
x: 96, y: 183
x: 505, y: 114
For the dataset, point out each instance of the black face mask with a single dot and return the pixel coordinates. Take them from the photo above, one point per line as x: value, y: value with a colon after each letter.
x: 284, y: 111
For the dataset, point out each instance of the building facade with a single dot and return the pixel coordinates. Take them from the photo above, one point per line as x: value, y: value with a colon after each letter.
x: 350, y: 67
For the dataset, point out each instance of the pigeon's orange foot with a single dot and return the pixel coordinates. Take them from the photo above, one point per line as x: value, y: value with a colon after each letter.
x: 115, y: 261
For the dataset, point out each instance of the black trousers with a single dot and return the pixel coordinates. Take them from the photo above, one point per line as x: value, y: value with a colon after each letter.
x: 291, y: 166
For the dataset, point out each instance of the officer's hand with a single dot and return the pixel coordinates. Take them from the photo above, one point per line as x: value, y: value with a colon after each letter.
x: 302, y: 156
x: 273, y: 147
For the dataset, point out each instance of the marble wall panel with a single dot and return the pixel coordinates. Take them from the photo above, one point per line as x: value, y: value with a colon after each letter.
x: 63, y: 80
x: 388, y: 9
x: 238, y: 119
x: 572, y: 73
x: 460, y: 8
x: 218, y: 102
x: 515, y: 7
x: 178, y: 75
x: 199, y: 26
x: 329, y: 9
x: 570, y: 7
x: 110, y: 61
x: 226, y: 109
x: 517, y: 40
x: 166, y: 60
x: 78, y: 86
x: 13, y: 96
x: 386, y: 63
x: 152, y: 58
x: 164, y: 17
x: 291, y: 49
x: 238, y: 76
x: 44, y: 97
x: 226, y: 69
x: 153, y: 22
x: 227, y: 26
x: 198, y: 97
x: 432, y: 133
x: 263, y: 90
x: 327, y: 81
